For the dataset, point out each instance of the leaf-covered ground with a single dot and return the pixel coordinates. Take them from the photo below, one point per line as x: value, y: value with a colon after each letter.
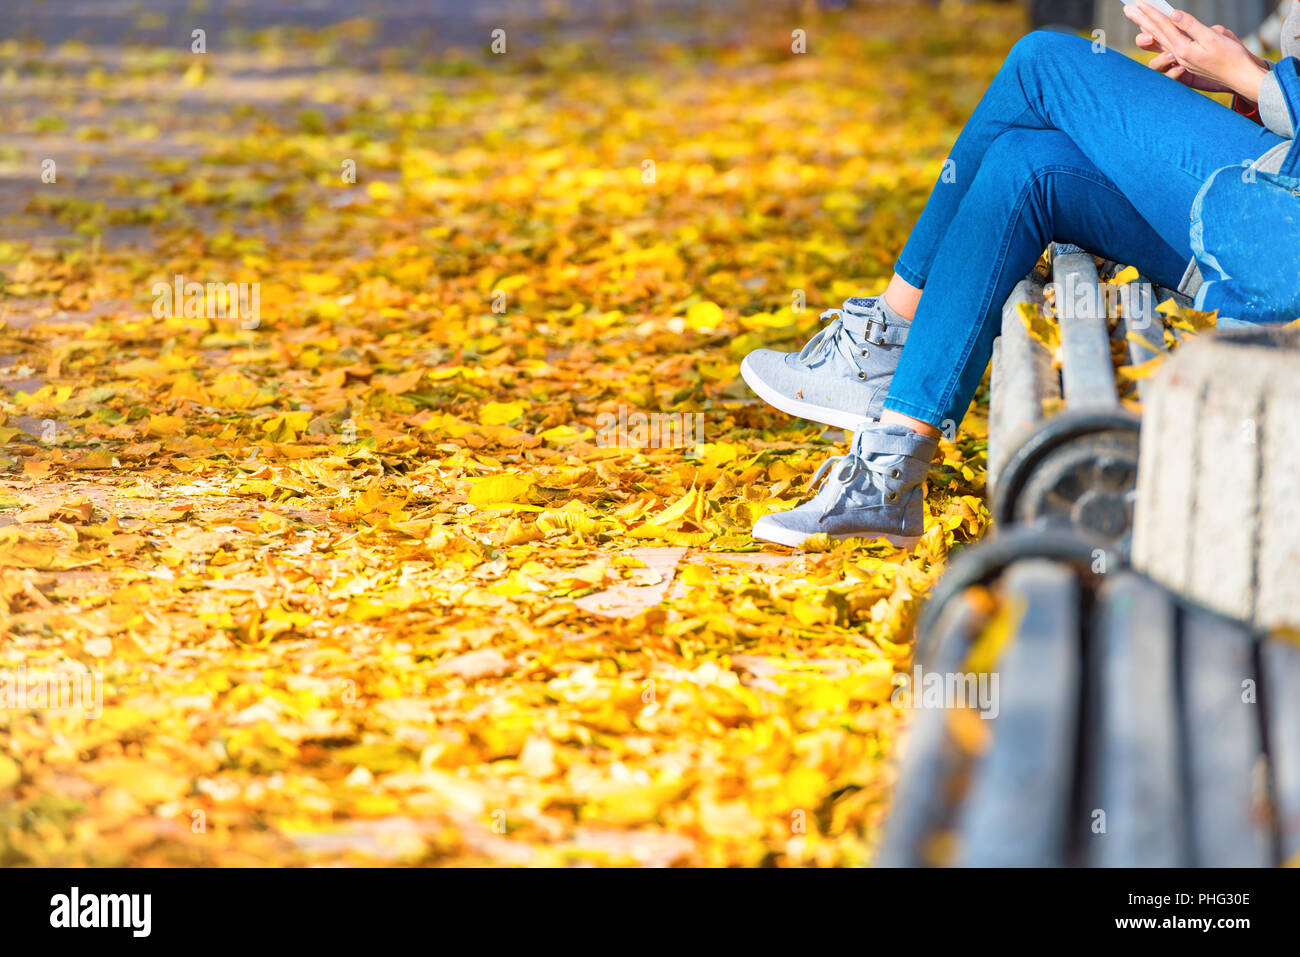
x: 364, y: 580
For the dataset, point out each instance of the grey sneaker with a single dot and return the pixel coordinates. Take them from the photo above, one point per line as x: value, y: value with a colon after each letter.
x: 873, y: 492
x: 842, y: 376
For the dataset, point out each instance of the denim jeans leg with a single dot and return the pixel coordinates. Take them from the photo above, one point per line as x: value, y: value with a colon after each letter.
x: 1155, y: 139
x: 1034, y: 187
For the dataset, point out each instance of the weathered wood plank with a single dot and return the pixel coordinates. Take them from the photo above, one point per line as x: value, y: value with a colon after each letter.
x: 1219, y: 474
x: 1131, y: 764
x: 1281, y: 664
x: 1087, y: 376
x: 1017, y: 813
x: 926, y: 794
x: 1224, y: 529
x: 1164, y: 294
x: 997, y: 402
x: 1223, y: 747
x: 1138, y: 311
x: 1147, y: 328
x: 1026, y: 379
x: 1162, y: 531
x: 1277, y: 555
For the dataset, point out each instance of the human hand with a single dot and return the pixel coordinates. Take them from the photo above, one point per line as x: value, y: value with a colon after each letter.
x: 1204, y: 58
x: 1166, y: 63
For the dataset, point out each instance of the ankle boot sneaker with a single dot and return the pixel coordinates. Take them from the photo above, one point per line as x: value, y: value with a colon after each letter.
x: 873, y: 492
x: 841, y: 377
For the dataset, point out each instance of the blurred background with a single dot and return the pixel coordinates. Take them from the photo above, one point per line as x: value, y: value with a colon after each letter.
x: 430, y: 24
x: 657, y: 188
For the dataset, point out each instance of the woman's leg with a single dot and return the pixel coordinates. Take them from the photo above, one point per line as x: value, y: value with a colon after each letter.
x: 902, y: 296
x: 1069, y: 144
x: 1152, y: 137
x: 1154, y: 141
x: 1034, y: 187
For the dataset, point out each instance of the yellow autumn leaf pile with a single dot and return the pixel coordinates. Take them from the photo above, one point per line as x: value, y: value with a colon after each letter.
x: 446, y: 559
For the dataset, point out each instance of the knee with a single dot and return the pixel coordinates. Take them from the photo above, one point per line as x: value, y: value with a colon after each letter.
x: 1045, y: 47
x: 1022, y: 170
x: 1017, y: 156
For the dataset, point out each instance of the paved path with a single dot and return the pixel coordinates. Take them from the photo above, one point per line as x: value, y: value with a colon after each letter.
x: 423, y: 24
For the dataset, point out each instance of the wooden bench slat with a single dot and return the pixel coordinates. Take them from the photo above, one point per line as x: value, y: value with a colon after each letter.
x: 924, y: 796
x: 1021, y: 796
x: 1140, y: 317
x: 1161, y: 538
x: 1281, y: 663
x: 1277, y: 555
x: 1088, y: 378
x: 997, y: 414
x: 1025, y: 378
x: 1219, y: 472
x: 1132, y: 753
x: 1222, y: 745
x: 1164, y: 294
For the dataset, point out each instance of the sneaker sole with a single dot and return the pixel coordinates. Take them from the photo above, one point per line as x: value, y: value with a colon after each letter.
x: 804, y: 410
x: 792, y: 539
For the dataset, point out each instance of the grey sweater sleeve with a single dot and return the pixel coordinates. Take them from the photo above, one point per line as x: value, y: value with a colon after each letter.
x: 1273, y: 111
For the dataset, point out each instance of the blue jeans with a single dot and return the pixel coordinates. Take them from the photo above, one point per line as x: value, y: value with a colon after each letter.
x: 1068, y: 145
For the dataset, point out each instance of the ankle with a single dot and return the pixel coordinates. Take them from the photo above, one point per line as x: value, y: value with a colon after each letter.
x: 890, y: 417
x: 892, y: 315
x: 901, y: 298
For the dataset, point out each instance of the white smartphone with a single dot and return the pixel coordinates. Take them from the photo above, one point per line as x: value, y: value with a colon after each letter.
x: 1160, y: 5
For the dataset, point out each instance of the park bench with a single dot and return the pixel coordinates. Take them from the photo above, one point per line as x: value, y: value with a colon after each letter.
x: 1076, y: 468
x: 1096, y: 712
x: 1133, y: 727
x: 1141, y: 716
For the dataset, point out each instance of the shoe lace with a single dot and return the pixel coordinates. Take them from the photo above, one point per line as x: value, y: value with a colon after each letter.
x: 834, y: 336
x: 840, y: 471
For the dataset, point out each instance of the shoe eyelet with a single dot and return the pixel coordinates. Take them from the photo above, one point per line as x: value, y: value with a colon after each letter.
x: 862, y: 375
x: 895, y: 474
x: 891, y: 497
x: 866, y: 352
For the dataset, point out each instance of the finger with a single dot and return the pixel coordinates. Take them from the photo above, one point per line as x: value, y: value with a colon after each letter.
x: 1223, y: 31
x: 1149, y: 43
x: 1142, y: 16
x: 1163, y: 63
x: 1156, y: 24
x: 1163, y: 27
x: 1191, y: 26
x: 1168, y: 31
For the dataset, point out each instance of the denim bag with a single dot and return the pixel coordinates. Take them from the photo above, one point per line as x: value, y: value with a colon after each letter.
x: 1246, y: 231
